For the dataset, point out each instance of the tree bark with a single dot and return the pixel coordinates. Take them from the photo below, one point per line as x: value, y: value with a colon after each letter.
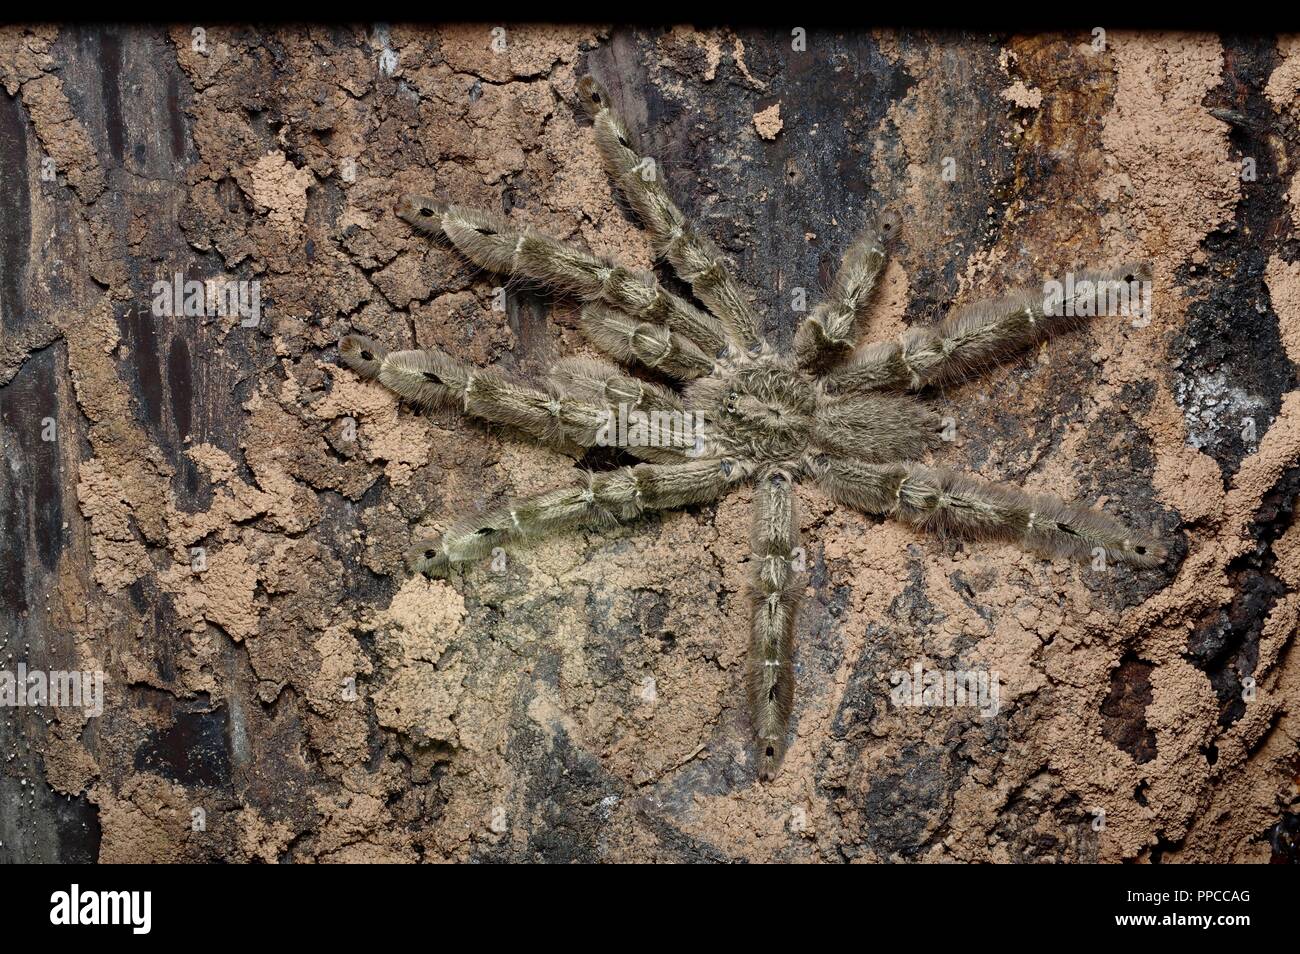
x: 207, y: 510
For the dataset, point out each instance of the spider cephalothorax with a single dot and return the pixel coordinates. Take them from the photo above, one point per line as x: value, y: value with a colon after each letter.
x: 759, y: 409
x: 846, y: 416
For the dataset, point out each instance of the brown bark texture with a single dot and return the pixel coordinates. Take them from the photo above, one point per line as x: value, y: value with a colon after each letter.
x: 211, y: 512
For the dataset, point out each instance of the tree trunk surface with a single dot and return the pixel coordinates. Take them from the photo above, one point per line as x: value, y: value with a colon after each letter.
x: 201, y: 505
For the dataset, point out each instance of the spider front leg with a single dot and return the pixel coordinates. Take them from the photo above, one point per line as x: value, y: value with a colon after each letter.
x: 830, y: 333
x: 693, y: 256
x: 600, y: 499
x: 974, y: 337
x: 580, y: 407
x: 621, y: 336
x: 777, y: 588
x: 949, y: 503
x: 642, y: 320
x: 429, y: 379
x: 672, y: 432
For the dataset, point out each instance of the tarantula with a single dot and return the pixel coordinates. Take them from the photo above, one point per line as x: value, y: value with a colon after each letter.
x: 842, y: 415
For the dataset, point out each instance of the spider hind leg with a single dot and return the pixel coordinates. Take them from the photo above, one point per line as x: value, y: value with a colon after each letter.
x: 775, y: 595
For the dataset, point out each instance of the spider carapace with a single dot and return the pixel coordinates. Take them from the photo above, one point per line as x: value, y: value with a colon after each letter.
x: 850, y: 416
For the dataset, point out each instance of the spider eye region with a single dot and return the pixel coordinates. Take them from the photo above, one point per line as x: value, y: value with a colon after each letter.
x: 766, y: 414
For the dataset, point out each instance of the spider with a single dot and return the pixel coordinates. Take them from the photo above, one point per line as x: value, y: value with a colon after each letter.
x: 844, y: 415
